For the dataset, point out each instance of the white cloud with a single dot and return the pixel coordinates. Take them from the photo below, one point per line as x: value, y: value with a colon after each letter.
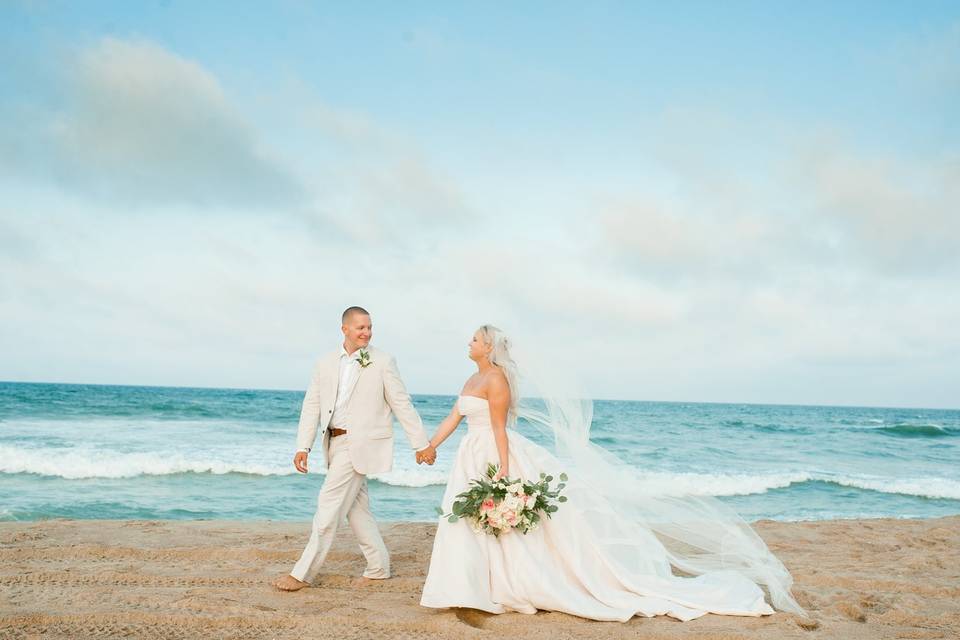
x: 672, y: 239
x: 810, y: 201
x: 818, y: 258
x: 897, y: 215
x: 374, y: 184
x: 139, y: 125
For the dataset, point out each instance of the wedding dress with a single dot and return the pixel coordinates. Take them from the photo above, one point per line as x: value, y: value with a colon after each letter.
x: 599, y: 556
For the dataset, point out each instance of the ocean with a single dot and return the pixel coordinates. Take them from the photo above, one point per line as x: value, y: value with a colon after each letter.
x: 117, y: 452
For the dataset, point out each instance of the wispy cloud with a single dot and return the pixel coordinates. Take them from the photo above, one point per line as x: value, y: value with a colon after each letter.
x: 139, y: 125
x: 812, y: 201
x: 373, y: 183
x: 901, y: 216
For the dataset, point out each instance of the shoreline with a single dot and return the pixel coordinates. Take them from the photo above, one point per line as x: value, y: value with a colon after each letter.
x: 871, y: 578
x: 386, y: 521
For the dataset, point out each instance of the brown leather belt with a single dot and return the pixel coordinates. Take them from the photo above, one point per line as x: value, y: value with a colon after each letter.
x: 334, y: 432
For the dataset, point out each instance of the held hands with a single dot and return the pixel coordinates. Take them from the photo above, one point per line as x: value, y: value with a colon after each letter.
x: 300, y: 461
x: 428, y: 455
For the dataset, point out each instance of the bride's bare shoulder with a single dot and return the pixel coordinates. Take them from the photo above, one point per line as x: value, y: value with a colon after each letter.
x: 496, y: 375
x: 496, y: 382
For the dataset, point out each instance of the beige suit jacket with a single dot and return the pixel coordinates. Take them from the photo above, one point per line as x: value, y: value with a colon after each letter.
x: 378, y: 395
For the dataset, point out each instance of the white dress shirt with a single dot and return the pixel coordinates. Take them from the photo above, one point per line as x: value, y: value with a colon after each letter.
x: 349, y: 368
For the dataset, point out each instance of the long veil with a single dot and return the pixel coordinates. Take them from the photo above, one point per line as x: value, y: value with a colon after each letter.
x: 700, y: 534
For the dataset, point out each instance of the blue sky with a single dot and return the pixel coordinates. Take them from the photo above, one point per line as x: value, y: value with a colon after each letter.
x: 745, y: 202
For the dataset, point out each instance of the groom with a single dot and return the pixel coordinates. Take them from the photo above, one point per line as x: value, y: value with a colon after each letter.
x: 353, y: 394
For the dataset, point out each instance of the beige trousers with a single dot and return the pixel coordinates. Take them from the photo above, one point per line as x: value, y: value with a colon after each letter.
x: 343, y: 495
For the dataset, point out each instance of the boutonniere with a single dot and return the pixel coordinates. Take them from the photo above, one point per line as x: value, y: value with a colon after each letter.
x: 364, y: 358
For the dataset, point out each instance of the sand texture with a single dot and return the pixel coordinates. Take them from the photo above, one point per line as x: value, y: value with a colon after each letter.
x: 211, y: 579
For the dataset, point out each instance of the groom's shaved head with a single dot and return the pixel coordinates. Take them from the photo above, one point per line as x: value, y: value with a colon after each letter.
x: 357, y: 329
x: 352, y: 311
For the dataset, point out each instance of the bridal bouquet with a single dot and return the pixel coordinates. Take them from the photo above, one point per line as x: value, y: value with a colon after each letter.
x: 499, y: 506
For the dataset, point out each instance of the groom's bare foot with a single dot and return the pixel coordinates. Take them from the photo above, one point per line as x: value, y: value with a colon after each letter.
x: 363, y: 581
x: 289, y: 583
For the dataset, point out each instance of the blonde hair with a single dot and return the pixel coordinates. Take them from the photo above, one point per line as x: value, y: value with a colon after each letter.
x: 500, y: 357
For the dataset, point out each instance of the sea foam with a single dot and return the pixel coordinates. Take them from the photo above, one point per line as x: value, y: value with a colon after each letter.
x: 78, y: 463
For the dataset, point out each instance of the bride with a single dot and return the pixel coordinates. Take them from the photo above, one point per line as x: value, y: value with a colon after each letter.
x: 613, y: 550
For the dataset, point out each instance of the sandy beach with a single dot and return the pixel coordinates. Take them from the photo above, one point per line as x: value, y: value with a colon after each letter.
x: 211, y: 579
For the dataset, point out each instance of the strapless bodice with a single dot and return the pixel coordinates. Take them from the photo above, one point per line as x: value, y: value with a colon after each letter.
x: 477, y: 412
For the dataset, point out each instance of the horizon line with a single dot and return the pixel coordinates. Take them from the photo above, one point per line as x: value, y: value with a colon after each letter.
x: 759, y: 404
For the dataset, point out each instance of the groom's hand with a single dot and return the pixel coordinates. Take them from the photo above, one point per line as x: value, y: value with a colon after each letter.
x: 300, y: 461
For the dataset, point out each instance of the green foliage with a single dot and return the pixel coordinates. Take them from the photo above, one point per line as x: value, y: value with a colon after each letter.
x: 468, y: 503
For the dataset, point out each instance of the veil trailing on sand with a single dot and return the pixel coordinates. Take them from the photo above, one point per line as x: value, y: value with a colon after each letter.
x: 700, y: 534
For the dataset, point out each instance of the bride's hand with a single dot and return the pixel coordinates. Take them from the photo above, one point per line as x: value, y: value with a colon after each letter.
x: 428, y: 455
x: 503, y: 473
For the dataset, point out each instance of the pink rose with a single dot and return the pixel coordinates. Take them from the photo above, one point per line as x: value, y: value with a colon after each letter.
x: 487, y: 505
